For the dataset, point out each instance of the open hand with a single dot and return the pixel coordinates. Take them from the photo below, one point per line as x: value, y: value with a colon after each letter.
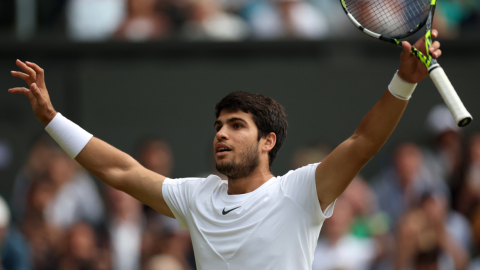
x: 34, y: 76
x: 412, y: 70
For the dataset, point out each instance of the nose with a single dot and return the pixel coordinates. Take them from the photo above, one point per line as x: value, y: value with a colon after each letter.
x: 221, y: 134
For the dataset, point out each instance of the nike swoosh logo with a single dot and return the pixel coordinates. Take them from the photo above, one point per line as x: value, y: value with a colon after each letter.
x: 226, y: 212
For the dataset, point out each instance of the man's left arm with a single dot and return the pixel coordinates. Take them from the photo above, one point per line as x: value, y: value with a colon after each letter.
x: 335, y: 173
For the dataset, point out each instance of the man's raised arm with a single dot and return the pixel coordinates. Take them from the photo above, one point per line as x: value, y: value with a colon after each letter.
x: 111, y: 165
x: 339, y: 168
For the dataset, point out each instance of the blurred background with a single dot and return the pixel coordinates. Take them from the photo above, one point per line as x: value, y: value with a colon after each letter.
x: 145, y: 75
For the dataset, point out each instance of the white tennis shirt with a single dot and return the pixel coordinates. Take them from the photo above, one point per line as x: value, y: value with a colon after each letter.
x: 275, y: 226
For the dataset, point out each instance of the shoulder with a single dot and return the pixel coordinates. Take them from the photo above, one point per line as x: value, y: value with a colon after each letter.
x: 302, y: 172
x: 303, y: 177
x: 194, y: 182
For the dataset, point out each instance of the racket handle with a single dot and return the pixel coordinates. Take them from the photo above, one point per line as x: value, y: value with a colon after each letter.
x: 460, y: 114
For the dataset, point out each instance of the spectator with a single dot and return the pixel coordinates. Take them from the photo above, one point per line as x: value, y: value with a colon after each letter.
x: 206, y: 20
x: 44, y: 239
x: 76, y: 196
x: 162, y: 233
x: 276, y: 19
x: 424, y: 241
x: 337, y: 248
x: 470, y: 191
x: 126, y: 224
x: 400, y: 186
x: 173, y: 253
x: 81, y: 249
x: 143, y: 22
x: 14, y: 251
x: 156, y: 155
x: 94, y: 20
x: 445, y: 161
x: 36, y: 165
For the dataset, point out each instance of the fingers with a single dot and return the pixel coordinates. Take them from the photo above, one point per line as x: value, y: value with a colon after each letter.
x: 435, y: 49
x: 434, y: 33
x: 38, y: 70
x: 406, y: 51
x: 20, y: 75
x: 27, y: 69
x: 36, y: 92
x: 22, y: 90
x: 437, y: 54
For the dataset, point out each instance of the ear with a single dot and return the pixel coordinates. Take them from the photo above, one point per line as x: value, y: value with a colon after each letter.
x: 269, y: 141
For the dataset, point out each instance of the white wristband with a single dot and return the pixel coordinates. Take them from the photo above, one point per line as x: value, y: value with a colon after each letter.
x: 71, y: 137
x: 400, y: 88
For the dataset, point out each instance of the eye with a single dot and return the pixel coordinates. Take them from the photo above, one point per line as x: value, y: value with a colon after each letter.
x: 237, y: 125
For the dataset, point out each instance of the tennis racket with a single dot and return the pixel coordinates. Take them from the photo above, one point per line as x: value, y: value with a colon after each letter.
x: 392, y: 20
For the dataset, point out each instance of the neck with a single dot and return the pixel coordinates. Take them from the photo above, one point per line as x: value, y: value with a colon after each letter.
x: 249, y: 183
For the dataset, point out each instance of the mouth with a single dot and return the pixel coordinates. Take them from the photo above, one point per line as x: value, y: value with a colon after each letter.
x: 222, y: 149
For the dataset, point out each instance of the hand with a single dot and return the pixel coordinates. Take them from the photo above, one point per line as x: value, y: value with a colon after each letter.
x: 411, y: 69
x: 38, y: 95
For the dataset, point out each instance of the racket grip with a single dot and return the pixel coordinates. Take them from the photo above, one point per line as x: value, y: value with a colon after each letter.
x: 460, y: 114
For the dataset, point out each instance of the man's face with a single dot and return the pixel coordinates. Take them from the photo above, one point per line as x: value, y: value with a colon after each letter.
x: 235, y: 145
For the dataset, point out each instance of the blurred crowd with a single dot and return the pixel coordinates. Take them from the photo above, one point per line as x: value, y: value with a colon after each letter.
x: 421, y: 211
x: 203, y: 20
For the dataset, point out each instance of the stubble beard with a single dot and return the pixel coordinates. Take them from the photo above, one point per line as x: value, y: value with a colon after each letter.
x: 249, y: 161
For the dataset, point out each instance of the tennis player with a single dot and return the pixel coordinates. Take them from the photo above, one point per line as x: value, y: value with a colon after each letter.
x: 254, y: 220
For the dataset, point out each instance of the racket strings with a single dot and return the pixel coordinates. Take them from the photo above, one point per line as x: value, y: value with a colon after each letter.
x: 389, y: 17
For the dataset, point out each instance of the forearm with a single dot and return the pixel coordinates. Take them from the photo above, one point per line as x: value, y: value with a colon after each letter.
x: 106, y: 162
x: 378, y: 124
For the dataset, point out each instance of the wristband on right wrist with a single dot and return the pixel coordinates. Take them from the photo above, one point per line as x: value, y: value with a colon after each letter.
x: 400, y: 88
x: 71, y: 137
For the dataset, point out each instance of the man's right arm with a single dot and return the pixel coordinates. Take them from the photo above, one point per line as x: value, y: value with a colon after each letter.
x: 124, y: 173
x: 109, y: 164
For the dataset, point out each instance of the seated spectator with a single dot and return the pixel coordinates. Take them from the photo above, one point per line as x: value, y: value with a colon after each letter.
x: 36, y: 165
x: 81, y: 250
x: 444, y: 161
x: 424, y: 240
x: 125, y: 225
x: 173, y: 251
x: 276, y: 19
x: 206, y: 20
x: 76, y: 196
x: 337, y: 248
x: 44, y: 239
x: 14, y: 250
x: 162, y: 233
x: 470, y: 190
x: 94, y: 20
x: 143, y: 22
x: 400, y: 186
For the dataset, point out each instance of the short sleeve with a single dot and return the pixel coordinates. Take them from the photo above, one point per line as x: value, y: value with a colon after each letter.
x: 178, y: 194
x: 299, y: 185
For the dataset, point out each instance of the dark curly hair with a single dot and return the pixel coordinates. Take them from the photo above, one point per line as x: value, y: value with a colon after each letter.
x: 268, y: 115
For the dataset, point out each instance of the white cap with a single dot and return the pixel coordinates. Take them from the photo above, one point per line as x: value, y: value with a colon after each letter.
x: 4, y: 213
x: 440, y: 120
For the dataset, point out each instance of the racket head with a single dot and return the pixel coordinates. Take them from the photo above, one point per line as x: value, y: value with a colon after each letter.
x: 389, y: 20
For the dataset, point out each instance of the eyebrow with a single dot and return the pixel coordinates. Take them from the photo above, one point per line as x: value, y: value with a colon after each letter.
x: 233, y: 119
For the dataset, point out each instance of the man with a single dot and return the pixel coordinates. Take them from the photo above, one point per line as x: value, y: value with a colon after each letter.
x: 253, y: 220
